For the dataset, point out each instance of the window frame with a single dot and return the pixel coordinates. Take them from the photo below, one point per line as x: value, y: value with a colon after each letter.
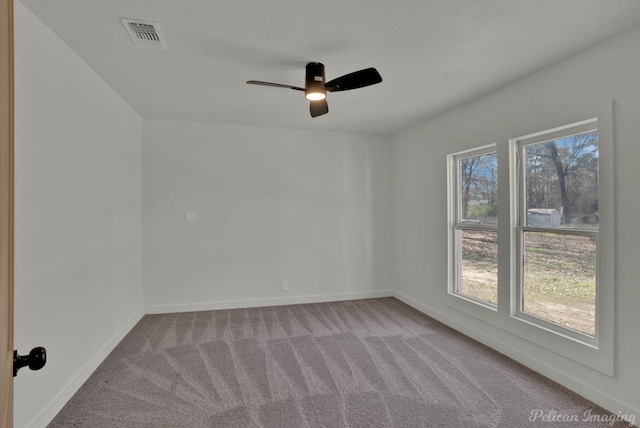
x: 456, y: 226
x: 518, y: 147
x: 599, y: 356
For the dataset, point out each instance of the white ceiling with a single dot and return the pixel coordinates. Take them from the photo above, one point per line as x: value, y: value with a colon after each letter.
x: 432, y: 54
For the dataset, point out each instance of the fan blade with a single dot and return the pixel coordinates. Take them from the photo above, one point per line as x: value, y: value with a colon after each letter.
x: 355, y: 80
x: 276, y: 85
x: 318, y: 108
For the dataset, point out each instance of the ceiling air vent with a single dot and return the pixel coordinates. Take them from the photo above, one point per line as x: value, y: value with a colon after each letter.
x: 144, y: 34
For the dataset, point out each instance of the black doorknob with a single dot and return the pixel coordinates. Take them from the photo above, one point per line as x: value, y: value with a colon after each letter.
x: 36, y: 360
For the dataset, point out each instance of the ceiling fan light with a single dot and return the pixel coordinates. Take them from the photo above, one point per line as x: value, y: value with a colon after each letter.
x: 315, y: 96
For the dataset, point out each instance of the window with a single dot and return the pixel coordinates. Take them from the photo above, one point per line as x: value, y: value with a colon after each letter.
x: 540, y: 263
x: 557, y: 229
x: 475, y: 220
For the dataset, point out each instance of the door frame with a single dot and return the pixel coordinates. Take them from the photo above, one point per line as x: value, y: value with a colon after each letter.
x: 6, y: 213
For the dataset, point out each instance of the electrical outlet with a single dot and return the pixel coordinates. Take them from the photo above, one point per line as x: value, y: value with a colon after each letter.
x: 284, y: 286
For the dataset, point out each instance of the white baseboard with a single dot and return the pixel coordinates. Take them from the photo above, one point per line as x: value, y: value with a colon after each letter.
x: 276, y: 301
x: 47, y: 415
x: 589, y: 392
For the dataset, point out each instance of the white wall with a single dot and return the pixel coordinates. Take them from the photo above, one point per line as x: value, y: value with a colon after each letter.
x: 78, y: 234
x: 312, y: 208
x: 552, y: 97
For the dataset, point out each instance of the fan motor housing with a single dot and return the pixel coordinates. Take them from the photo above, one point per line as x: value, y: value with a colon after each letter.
x: 314, y: 82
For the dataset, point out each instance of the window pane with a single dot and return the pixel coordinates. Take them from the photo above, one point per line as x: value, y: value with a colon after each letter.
x: 560, y: 279
x: 562, y: 182
x: 479, y: 265
x: 479, y: 189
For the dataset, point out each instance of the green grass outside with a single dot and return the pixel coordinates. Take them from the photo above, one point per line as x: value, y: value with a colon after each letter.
x: 559, y: 276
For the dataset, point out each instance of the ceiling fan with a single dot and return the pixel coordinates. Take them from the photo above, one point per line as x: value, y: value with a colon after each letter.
x: 315, y: 89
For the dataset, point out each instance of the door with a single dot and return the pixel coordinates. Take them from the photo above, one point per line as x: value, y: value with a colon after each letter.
x: 6, y: 213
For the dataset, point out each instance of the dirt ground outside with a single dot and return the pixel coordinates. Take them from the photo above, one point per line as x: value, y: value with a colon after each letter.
x: 560, y: 275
